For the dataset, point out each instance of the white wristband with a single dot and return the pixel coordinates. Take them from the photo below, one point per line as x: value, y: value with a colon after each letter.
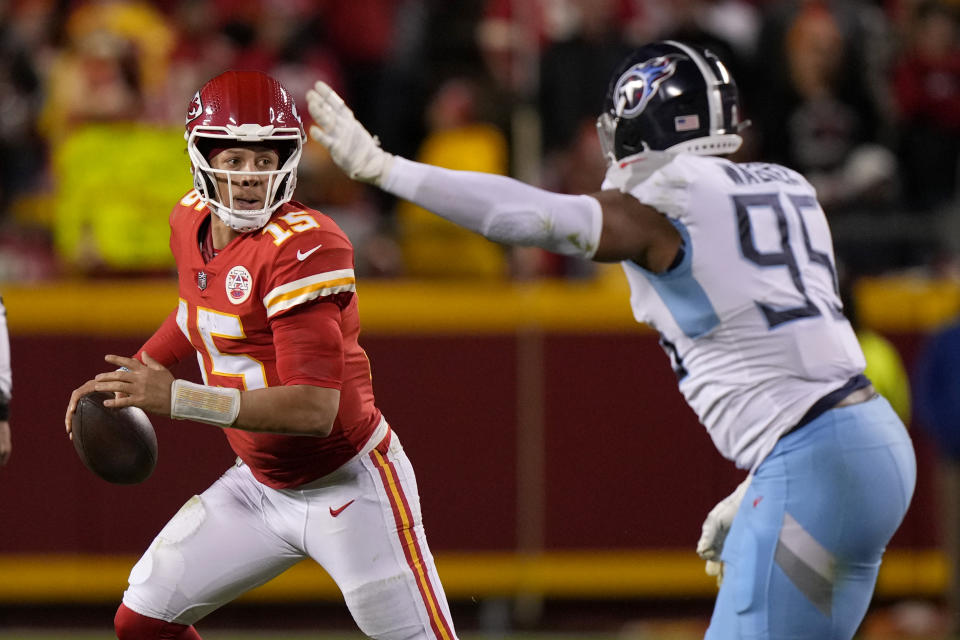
x: 203, y: 403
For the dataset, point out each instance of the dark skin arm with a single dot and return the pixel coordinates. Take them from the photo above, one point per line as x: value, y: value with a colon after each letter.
x: 635, y: 231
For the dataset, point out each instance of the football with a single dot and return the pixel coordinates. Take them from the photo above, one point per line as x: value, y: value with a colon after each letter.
x: 119, y: 445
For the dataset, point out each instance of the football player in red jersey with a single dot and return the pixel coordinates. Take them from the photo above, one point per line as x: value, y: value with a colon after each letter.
x: 268, y: 305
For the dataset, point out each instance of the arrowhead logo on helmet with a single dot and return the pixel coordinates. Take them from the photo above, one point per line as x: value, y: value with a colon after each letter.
x: 196, y: 108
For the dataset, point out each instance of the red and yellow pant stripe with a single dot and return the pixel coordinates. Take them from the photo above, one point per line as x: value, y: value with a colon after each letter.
x: 404, y: 519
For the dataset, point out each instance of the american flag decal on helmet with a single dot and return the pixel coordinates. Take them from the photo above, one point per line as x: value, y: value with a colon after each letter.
x: 687, y: 123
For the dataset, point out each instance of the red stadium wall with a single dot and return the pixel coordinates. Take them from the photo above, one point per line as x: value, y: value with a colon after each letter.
x: 624, y: 462
x: 533, y: 428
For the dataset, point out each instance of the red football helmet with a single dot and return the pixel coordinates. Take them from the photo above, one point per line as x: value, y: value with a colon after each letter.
x: 244, y: 107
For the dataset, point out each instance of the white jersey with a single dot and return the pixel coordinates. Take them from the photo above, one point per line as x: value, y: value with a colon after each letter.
x: 750, y: 317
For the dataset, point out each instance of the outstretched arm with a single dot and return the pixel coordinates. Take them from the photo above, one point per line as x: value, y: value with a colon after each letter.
x: 606, y: 226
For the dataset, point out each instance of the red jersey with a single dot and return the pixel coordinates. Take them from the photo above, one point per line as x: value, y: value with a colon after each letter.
x: 285, y: 274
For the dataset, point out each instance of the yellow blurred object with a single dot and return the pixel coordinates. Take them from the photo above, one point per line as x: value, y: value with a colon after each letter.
x: 435, y: 248
x: 885, y: 369
x: 33, y: 209
x: 906, y: 303
x: 116, y: 186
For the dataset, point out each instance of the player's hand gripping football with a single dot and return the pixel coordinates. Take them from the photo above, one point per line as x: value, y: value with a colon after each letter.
x: 351, y: 146
x: 715, y: 529
x: 138, y: 384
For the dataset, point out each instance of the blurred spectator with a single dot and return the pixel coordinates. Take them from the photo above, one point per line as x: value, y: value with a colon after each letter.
x: 21, y: 146
x: 361, y: 33
x: 114, y: 66
x: 97, y: 80
x: 927, y: 91
x: 459, y: 137
x: 115, y: 171
x: 433, y: 40
x: 201, y: 51
x: 575, y: 68
x: 735, y: 21
x: 937, y: 392
x: 938, y: 389
x: 818, y: 67
x: 728, y: 28
x: 821, y: 115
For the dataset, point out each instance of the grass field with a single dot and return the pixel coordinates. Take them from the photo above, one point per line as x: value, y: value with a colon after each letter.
x: 907, y: 620
x: 673, y: 631
x: 661, y: 634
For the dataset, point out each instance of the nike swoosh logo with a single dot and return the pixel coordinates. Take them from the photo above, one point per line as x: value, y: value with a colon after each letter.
x: 336, y: 512
x: 303, y: 255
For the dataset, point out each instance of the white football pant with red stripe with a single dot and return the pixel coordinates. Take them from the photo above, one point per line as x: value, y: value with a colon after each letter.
x: 361, y: 523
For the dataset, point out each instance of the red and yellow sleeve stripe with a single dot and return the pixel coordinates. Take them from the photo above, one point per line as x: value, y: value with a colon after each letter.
x: 312, y: 287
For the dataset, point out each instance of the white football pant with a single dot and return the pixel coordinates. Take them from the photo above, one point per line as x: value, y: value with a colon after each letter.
x: 361, y: 523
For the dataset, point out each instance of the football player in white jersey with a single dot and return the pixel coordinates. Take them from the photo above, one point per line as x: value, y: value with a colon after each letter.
x: 733, y: 265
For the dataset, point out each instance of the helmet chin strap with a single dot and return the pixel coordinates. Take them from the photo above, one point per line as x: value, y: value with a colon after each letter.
x: 235, y: 222
x: 715, y: 145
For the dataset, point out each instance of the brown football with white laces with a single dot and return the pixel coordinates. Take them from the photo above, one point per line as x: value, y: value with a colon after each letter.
x: 118, y: 445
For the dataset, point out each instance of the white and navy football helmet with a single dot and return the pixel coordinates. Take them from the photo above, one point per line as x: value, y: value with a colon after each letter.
x: 673, y: 97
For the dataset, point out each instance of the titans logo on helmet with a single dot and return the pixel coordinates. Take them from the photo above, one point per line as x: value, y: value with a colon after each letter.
x: 641, y: 82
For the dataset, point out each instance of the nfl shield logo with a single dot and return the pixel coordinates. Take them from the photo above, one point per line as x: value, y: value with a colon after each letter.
x: 202, y: 280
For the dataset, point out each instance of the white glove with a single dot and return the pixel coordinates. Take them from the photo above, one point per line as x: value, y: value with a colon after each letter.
x: 351, y: 146
x: 715, y: 529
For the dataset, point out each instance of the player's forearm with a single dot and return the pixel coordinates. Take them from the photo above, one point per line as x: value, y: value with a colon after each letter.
x: 500, y: 208
x: 293, y: 410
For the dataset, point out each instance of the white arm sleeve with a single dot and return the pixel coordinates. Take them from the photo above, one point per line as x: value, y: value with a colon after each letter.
x: 6, y: 378
x: 500, y: 208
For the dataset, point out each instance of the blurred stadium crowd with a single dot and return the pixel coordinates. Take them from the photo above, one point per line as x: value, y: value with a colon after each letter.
x: 861, y: 96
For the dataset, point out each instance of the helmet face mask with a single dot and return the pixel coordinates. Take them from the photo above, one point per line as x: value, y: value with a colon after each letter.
x: 672, y: 97
x: 237, y: 109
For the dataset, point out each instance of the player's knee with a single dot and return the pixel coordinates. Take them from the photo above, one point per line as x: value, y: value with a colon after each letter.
x: 387, y: 610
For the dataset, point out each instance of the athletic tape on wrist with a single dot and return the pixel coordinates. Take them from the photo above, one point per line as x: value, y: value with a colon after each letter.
x: 203, y: 403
